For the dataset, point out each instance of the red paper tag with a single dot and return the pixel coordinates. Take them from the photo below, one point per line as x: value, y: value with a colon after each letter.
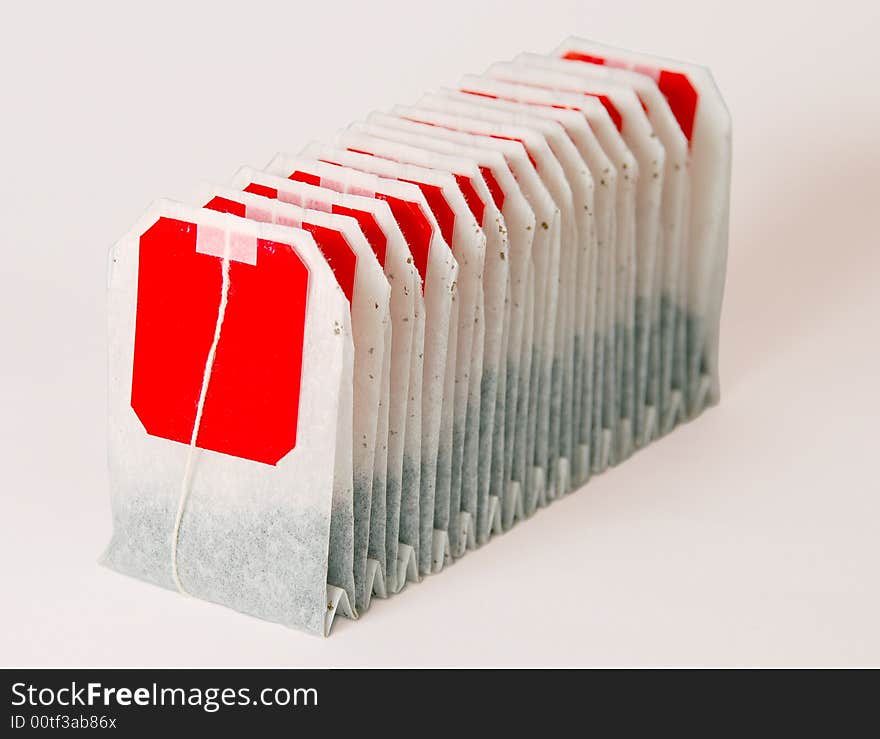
x: 439, y: 207
x: 471, y: 197
x: 494, y: 188
x: 371, y: 229
x: 252, y: 403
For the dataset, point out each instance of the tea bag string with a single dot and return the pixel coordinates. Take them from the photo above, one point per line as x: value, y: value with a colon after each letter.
x: 186, y: 482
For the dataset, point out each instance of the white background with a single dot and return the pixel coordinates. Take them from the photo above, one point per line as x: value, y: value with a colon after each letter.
x: 749, y: 537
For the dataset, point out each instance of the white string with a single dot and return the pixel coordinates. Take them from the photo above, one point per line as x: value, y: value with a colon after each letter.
x: 190, y: 457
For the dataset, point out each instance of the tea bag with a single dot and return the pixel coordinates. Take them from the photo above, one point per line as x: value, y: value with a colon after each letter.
x: 650, y: 154
x: 575, y: 258
x: 438, y: 270
x: 523, y: 471
x: 519, y: 225
x: 347, y: 251
x: 547, y: 346
x: 482, y: 390
x: 624, y: 412
x: 595, y: 226
x: 230, y: 380
x: 672, y: 250
x: 407, y: 317
x: 621, y: 320
x: 705, y: 122
x: 468, y: 243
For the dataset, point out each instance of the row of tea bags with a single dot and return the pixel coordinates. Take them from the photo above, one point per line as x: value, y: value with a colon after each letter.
x: 336, y: 375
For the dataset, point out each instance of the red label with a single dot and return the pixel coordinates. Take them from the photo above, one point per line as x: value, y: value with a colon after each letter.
x: 611, y: 108
x: 474, y: 201
x: 338, y: 253
x: 439, y: 207
x: 225, y: 205
x: 252, y: 403
x: 263, y: 190
x: 309, y: 179
x: 589, y: 58
x: 480, y: 94
x: 416, y: 230
x: 494, y: 188
x: 370, y: 227
x: 682, y: 98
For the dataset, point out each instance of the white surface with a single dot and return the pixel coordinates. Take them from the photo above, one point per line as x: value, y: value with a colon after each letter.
x: 747, y: 537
